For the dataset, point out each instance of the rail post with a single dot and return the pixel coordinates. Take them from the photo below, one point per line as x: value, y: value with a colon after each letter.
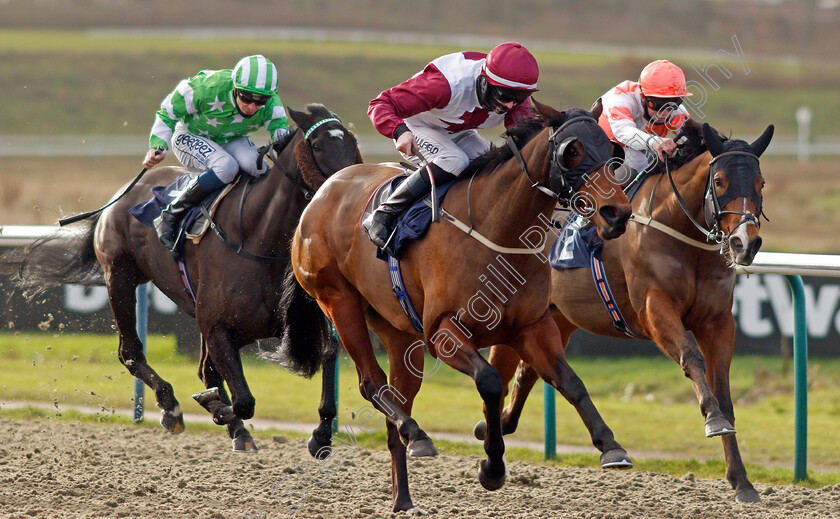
x: 800, y: 379
x: 142, y: 318
x: 550, y: 421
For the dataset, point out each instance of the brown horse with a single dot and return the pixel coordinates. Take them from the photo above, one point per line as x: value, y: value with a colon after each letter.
x: 237, y: 292
x: 462, y: 309
x: 667, y: 286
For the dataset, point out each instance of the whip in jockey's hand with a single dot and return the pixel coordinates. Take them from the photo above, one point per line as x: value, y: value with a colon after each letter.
x: 154, y: 157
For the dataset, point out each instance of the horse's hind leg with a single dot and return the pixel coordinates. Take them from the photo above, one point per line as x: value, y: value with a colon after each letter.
x: 716, y: 339
x: 540, y: 345
x: 122, y: 277
x: 342, y: 304
x: 666, y: 328
x: 322, y: 435
x: 218, y: 403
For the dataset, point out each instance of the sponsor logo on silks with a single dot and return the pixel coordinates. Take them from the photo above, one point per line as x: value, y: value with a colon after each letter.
x: 424, y: 145
x: 189, y: 142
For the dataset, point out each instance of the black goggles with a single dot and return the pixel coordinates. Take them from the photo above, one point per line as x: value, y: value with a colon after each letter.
x: 507, y: 95
x: 659, y: 103
x: 249, y: 98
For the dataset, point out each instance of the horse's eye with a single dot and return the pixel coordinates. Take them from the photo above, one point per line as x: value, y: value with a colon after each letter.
x: 718, y: 182
x: 315, y: 147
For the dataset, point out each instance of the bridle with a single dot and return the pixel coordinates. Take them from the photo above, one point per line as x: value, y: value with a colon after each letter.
x: 562, y: 182
x: 713, y: 204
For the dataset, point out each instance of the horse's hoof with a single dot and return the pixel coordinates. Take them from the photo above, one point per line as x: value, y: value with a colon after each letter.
x: 416, y: 511
x: 480, y: 430
x: 207, y: 397
x: 747, y: 495
x: 488, y: 482
x: 616, y: 459
x: 422, y: 447
x: 318, y: 450
x: 244, y: 444
x: 718, y: 427
x: 223, y: 415
x: 174, y: 421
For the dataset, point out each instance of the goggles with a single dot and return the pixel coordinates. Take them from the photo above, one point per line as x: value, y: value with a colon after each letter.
x: 663, y: 103
x: 249, y: 98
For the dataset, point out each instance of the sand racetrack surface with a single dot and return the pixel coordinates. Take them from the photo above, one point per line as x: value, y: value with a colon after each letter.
x: 61, y: 470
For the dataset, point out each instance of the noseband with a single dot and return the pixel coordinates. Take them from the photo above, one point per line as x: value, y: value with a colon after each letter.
x: 563, y: 181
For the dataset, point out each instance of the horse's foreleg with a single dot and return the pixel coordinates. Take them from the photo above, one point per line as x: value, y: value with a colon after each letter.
x: 459, y: 352
x: 666, y: 328
x: 219, y: 405
x: 121, y: 284
x: 541, y: 346
x: 524, y: 377
x: 322, y: 435
x: 716, y: 339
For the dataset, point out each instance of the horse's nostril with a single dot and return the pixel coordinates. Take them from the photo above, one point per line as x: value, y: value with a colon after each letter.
x: 609, y: 213
x: 736, y: 244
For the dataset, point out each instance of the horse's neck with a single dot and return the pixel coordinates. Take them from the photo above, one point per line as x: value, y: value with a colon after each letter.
x: 504, y: 203
x: 274, y: 205
x: 690, y: 180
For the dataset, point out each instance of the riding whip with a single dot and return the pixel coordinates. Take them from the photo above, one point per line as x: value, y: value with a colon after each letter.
x: 77, y: 217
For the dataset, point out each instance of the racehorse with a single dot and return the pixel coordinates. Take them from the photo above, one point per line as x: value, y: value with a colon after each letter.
x: 666, y: 284
x: 237, y: 282
x: 447, y: 276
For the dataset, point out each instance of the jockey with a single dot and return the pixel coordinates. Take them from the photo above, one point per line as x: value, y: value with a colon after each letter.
x: 639, y: 116
x: 208, y: 119
x: 438, y: 110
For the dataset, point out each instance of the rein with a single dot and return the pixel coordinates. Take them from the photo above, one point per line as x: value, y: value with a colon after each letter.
x: 297, y: 181
x: 715, y: 233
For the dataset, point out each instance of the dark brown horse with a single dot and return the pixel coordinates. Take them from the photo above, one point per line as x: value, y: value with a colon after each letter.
x: 470, y: 294
x: 667, y: 286
x: 237, y: 294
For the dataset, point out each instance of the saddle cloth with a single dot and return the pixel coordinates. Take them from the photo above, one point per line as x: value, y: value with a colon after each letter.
x: 194, y: 225
x: 575, y: 245
x: 413, y: 223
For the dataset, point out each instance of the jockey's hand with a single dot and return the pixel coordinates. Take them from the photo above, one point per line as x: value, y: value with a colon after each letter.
x: 154, y: 157
x: 405, y: 142
x: 662, y: 147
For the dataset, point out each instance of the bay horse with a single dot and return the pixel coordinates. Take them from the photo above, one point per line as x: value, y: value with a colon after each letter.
x: 237, y: 293
x: 667, y: 286
x: 461, y: 308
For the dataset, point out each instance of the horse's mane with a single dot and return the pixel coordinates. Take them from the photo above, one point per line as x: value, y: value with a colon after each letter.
x: 693, y: 147
x: 521, y: 134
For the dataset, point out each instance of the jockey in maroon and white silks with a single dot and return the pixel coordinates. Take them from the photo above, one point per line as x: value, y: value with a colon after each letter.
x: 640, y: 115
x: 438, y: 111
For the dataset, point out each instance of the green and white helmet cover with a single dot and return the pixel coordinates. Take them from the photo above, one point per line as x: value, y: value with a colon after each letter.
x: 255, y: 74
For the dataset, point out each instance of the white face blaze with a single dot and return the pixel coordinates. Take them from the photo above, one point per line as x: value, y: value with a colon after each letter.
x: 337, y: 133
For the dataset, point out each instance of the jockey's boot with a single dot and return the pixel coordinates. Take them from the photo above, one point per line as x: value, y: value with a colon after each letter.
x: 378, y: 224
x: 166, y: 224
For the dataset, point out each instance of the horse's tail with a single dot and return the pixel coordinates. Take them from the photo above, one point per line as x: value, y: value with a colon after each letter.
x: 306, y: 341
x: 63, y: 256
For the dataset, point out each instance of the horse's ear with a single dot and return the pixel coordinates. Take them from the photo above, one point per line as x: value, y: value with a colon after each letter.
x: 297, y: 117
x: 713, y: 142
x: 597, y: 108
x: 761, y: 143
x: 545, y: 111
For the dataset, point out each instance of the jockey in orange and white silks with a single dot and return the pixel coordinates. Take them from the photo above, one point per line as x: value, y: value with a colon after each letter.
x: 640, y: 115
x: 438, y: 111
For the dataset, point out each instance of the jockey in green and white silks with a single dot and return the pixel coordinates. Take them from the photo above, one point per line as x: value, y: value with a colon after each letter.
x: 206, y: 121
